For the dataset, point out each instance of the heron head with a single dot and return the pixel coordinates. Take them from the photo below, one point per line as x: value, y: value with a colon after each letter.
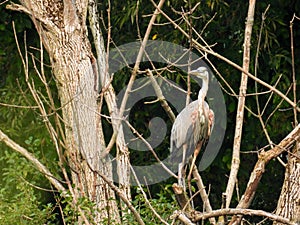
x: 201, y: 72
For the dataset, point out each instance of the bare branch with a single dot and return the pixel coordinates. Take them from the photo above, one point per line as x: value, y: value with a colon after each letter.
x: 139, y: 57
x: 18, y: 106
x: 259, y: 168
x: 203, y: 194
x: 123, y: 197
x: 209, y: 51
x: 259, y: 112
x: 1, y: 3
x: 19, y: 8
x: 151, y: 149
x: 293, y: 69
x: 235, y: 162
x: 182, y: 199
x: 251, y: 212
x: 160, y: 96
x: 182, y: 217
x: 146, y: 199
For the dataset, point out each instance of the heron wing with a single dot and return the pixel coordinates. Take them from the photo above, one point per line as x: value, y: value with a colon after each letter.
x: 188, y: 131
x: 182, y: 127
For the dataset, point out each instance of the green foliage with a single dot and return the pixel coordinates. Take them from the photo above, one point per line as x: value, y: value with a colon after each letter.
x: 10, y: 63
x: 224, y: 23
x: 71, y: 212
x: 20, y: 201
x: 163, y: 203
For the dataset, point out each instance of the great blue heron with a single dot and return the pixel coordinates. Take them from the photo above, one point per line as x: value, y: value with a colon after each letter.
x: 192, y: 126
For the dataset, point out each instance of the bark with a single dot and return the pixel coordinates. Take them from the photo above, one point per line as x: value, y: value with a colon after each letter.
x: 61, y: 26
x: 289, y: 201
x: 107, y: 91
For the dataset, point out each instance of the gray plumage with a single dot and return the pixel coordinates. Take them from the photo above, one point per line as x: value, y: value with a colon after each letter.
x: 193, y: 124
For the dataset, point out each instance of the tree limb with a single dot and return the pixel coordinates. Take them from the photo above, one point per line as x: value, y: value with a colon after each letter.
x: 182, y: 199
x: 139, y: 56
x: 259, y: 168
x: 235, y: 162
x: 182, y: 217
x: 101, y: 74
x: 250, y: 212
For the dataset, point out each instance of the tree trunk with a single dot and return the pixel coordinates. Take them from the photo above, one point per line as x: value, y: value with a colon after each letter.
x: 61, y: 26
x: 289, y: 201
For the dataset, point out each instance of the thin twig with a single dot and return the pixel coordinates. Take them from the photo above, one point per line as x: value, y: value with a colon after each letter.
x: 1, y: 3
x: 146, y: 199
x: 37, y: 187
x: 123, y: 197
x: 160, y: 96
x: 277, y: 107
x: 271, y: 95
x: 259, y: 112
x: 293, y: 69
x: 209, y: 51
x: 151, y: 149
x: 189, y: 19
x: 18, y: 106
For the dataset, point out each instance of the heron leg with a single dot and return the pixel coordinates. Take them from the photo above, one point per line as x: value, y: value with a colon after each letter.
x: 196, y: 153
x: 180, y: 180
x: 181, y: 169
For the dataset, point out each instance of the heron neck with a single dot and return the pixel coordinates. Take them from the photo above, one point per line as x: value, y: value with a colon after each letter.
x: 203, y: 90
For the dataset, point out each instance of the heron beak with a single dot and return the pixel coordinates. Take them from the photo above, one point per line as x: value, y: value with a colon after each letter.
x: 194, y: 72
